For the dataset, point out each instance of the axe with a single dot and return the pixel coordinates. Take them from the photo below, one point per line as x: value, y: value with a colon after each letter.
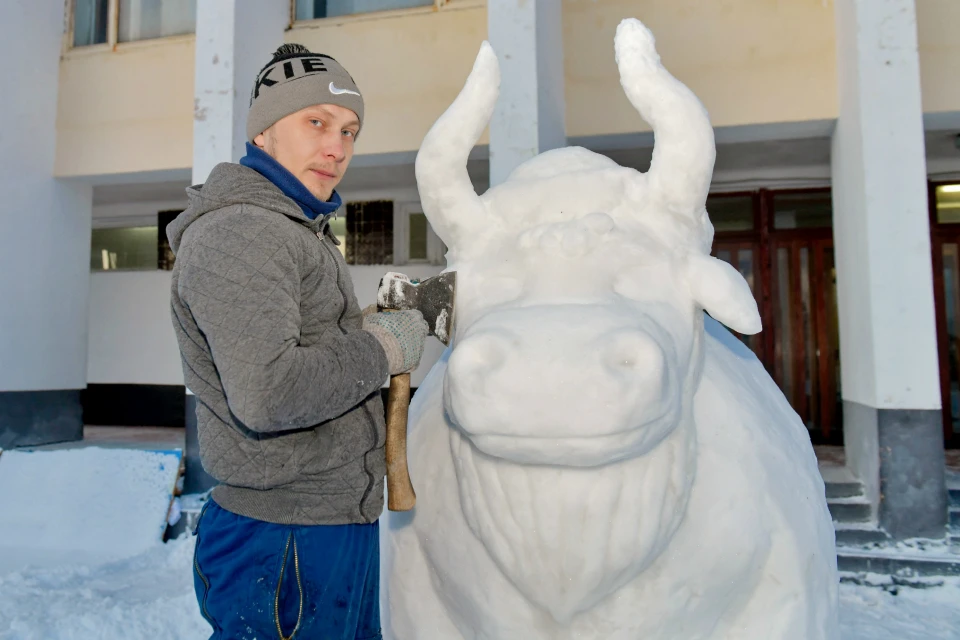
x: 434, y: 298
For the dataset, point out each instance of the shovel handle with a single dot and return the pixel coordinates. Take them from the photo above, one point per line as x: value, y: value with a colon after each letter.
x: 400, y: 493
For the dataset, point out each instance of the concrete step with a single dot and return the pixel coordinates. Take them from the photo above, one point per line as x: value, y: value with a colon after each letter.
x: 858, y: 533
x: 953, y: 488
x: 897, y: 563
x: 845, y: 495
x: 852, y: 509
x: 843, y: 490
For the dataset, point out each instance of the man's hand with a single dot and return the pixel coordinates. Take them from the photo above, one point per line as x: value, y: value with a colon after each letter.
x: 401, y: 334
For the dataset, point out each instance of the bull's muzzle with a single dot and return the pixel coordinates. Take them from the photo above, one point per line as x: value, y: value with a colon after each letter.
x: 531, y: 382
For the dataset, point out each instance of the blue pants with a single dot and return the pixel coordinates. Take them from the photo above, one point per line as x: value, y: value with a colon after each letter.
x: 260, y: 580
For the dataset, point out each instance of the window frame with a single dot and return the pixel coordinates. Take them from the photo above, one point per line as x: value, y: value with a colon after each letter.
x: 344, y: 212
x: 129, y: 223
x: 113, y: 24
x: 158, y: 211
x: 438, y: 5
x: 772, y: 194
x: 401, y: 237
x: 113, y: 32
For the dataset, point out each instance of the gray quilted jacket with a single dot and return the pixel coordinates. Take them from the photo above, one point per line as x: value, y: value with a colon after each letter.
x: 289, y: 414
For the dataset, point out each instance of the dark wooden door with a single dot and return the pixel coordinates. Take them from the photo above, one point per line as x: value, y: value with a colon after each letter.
x: 743, y: 255
x: 806, y: 345
x: 945, y: 246
x: 782, y: 244
x: 946, y: 276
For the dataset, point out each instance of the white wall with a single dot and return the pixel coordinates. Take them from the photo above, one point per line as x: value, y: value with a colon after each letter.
x: 45, y: 244
x: 131, y: 331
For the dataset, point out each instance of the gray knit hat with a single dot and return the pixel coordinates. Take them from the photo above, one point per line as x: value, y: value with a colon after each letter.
x: 296, y: 79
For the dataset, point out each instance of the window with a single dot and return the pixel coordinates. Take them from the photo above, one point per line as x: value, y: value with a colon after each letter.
x: 338, y: 227
x: 140, y: 248
x: 369, y: 232
x: 414, y: 239
x: 417, y: 245
x: 381, y: 232
x: 124, y: 248
x: 731, y: 212
x: 312, y: 9
x: 112, y: 21
x: 948, y: 204
x: 90, y: 22
x: 165, y: 256
x: 803, y: 210
x: 781, y: 243
x: 147, y: 19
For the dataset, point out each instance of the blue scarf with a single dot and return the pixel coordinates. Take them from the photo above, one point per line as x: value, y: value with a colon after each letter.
x: 261, y: 162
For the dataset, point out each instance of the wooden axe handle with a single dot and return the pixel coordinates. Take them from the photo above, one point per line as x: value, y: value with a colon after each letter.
x: 400, y: 493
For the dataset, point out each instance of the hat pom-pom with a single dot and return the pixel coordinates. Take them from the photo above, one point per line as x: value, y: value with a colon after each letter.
x: 290, y: 50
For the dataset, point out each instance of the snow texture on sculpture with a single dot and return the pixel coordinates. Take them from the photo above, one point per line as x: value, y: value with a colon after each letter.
x: 589, y: 461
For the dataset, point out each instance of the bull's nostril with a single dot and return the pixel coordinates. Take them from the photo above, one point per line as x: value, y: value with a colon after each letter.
x: 633, y: 352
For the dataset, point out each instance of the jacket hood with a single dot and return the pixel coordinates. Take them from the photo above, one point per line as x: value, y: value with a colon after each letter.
x: 232, y: 184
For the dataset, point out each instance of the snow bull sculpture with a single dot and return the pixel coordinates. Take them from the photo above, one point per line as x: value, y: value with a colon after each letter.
x: 589, y: 461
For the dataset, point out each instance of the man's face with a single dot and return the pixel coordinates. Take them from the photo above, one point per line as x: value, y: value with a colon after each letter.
x: 314, y: 144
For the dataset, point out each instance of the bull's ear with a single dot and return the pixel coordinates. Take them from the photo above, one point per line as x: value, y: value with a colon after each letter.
x: 720, y: 289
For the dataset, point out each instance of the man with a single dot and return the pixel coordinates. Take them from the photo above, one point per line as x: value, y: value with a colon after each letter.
x: 286, y: 369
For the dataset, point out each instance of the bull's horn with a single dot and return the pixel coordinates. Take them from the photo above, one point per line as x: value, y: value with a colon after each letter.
x: 684, y: 151
x: 446, y: 193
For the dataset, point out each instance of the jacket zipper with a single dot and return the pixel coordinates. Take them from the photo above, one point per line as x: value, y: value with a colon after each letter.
x: 371, y: 422
x: 206, y: 590
x: 370, y: 479
x: 276, y: 603
x: 336, y: 265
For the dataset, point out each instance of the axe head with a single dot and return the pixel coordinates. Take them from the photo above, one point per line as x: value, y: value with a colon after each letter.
x: 434, y: 298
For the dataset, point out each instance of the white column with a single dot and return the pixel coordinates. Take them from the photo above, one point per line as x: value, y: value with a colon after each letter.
x: 888, y: 351
x: 235, y: 38
x: 529, y: 117
x: 45, y: 242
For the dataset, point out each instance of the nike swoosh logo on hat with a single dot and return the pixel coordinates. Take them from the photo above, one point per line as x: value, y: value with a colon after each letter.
x: 335, y: 90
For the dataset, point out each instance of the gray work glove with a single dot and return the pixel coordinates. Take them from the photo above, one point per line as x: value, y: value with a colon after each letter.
x: 401, y: 334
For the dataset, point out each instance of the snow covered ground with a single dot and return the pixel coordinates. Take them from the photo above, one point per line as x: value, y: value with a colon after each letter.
x: 871, y: 612
x: 97, y: 569
x: 150, y: 596
x: 92, y: 503
x: 147, y: 596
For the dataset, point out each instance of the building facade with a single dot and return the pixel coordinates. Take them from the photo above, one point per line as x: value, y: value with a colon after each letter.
x: 836, y: 191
